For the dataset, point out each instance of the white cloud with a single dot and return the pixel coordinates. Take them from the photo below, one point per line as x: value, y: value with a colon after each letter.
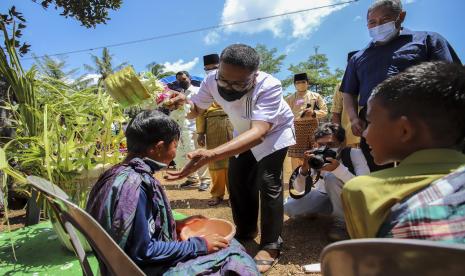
x: 180, y: 65
x: 93, y: 77
x: 302, y: 24
x: 357, y: 18
x: 409, y: 1
x: 212, y: 38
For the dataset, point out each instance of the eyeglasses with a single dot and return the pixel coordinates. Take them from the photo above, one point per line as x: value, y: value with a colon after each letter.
x: 239, y: 86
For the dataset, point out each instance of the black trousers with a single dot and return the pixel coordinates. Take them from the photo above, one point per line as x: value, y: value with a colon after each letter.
x: 250, y: 182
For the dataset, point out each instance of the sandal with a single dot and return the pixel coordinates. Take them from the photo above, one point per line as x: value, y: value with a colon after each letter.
x: 270, y: 263
x: 214, y: 201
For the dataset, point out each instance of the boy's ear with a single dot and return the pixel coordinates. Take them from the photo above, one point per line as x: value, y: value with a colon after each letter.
x: 156, y: 148
x: 407, y: 129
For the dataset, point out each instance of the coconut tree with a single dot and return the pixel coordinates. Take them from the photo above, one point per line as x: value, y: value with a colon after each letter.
x: 159, y: 70
x: 104, y: 65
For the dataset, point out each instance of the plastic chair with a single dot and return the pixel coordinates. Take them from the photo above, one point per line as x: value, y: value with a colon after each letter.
x: 112, y: 260
x: 379, y: 257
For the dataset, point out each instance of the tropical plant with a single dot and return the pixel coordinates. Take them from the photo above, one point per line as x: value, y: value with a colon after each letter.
x: 104, y: 65
x: 159, y: 70
x: 61, y: 132
x: 269, y: 62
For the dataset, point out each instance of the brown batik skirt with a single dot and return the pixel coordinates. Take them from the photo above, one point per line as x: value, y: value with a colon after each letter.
x: 304, y: 132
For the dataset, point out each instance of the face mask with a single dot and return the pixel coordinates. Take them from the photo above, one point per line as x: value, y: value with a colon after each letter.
x: 383, y: 33
x: 184, y: 85
x: 207, y: 72
x: 231, y: 95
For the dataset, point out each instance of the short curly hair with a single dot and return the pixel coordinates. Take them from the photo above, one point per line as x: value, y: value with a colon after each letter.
x: 432, y: 93
x: 331, y: 129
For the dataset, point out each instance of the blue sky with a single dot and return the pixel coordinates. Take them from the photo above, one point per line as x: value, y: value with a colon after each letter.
x: 335, y: 31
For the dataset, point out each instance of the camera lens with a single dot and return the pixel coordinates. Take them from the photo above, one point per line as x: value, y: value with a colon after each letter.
x: 316, y: 162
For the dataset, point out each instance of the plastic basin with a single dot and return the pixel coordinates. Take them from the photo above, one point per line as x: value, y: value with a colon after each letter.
x: 205, y: 227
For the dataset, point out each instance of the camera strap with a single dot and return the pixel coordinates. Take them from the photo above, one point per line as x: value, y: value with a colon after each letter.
x: 309, y: 183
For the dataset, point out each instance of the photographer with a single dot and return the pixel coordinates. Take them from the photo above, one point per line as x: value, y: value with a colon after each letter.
x: 326, y: 177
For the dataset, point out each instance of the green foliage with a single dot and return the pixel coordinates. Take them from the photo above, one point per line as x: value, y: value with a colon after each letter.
x: 269, y: 62
x: 322, y: 80
x: 10, y: 19
x: 62, y: 132
x: 88, y: 12
x: 104, y: 65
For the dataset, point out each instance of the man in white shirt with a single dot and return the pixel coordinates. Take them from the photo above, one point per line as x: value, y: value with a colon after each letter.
x: 263, y: 130
x: 327, y: 179
x: 188, y: 139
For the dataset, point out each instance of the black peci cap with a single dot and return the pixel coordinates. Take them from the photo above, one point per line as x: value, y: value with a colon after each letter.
x: 300, y: 76
x: 211, y: 59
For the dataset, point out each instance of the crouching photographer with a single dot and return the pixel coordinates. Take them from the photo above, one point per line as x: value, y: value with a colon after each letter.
x: 316, y: 186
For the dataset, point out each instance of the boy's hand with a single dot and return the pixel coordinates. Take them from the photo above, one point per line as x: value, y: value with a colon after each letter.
x: 329, y: 167
x: 198, y: 158
x: 201, y: 139
x: 215, y: 242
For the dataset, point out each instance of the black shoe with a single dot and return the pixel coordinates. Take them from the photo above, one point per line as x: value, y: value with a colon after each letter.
x: 203, y: 186
x: 188, y: 183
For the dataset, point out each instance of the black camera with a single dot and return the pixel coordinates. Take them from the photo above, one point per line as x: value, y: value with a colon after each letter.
x: 321, y: 153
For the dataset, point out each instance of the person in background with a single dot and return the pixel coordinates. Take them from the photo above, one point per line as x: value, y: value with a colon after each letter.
x: 263, y: 131
x: 214, y: 129
x: 325, y: 196
x: 132, y: 207
x: 392, y: 50
x: 340, y: 117
x: 188, y: 140
x: 418, y: 118
x: 307, y: 107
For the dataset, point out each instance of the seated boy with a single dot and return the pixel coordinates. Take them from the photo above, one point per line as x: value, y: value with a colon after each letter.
x: 417, y: 118
x: 132, y: 207
x: 325, y: 198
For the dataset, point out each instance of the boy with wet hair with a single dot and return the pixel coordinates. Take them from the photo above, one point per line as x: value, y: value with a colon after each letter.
x: 417, y: 118
x: 132, y: 207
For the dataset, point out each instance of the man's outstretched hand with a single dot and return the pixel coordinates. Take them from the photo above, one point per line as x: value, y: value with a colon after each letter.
x: 198, y: 158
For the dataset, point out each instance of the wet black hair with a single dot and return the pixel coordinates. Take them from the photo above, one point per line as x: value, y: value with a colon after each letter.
x: 149, y: 127
x: 241, y: 55
x: 331, y: 129
x: 431, y: 92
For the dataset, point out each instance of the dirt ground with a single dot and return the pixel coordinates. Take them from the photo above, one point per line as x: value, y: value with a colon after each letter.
x: 304, y: 238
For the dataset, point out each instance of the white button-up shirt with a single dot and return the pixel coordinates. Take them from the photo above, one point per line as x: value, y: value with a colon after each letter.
x: 264, y: 103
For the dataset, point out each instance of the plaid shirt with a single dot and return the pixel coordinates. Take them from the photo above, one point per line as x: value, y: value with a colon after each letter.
x: 435, y: 213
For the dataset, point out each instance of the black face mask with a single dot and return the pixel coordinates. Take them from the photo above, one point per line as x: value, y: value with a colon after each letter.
x: 184, y: 85
x: 231, y: 95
